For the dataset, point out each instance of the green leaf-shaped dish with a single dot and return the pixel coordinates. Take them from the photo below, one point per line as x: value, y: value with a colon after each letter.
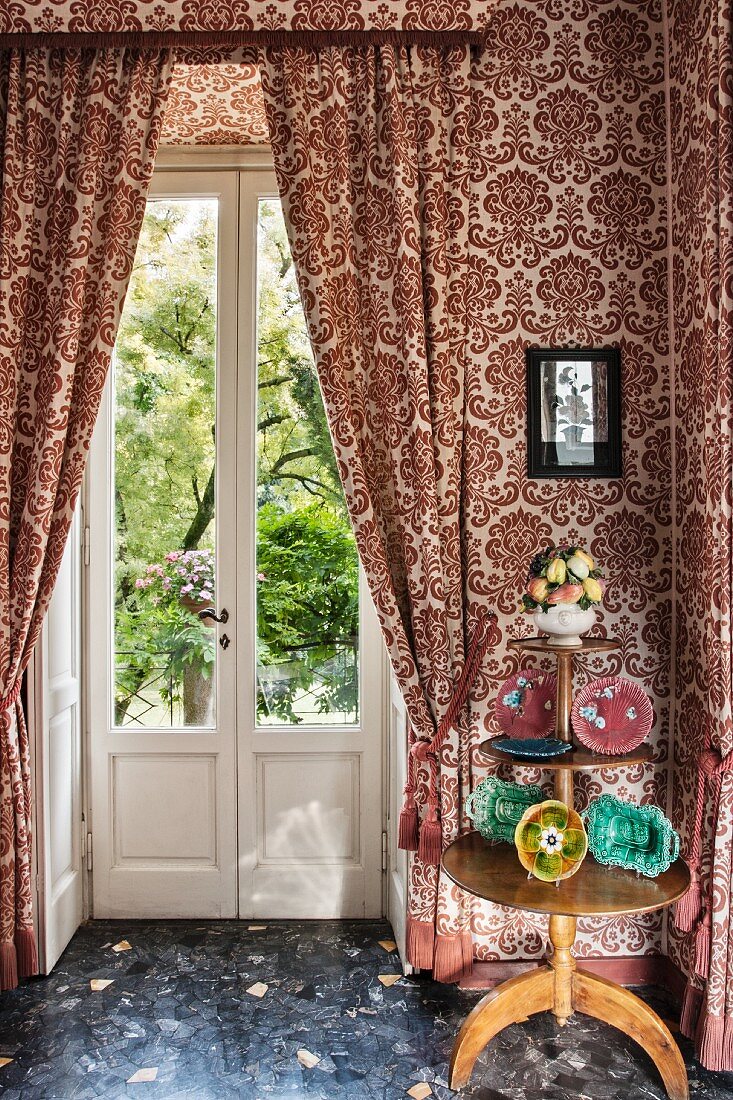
x: 495, y: 807
x: 622, y: 834
x: 551, y: 842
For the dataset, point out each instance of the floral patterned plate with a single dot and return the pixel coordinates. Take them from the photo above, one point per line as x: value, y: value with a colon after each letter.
x: 531, y: 747
x: 551, y: 841
x: 612, y: 715
x: 622, y: 834
x: 496, y: 807
x: 526, y: 703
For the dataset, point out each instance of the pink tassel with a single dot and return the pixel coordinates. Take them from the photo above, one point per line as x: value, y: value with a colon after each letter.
x: 431, y: 846
x: 467, y: 948
x: 702, y: 948
x: 448, y: 961
x: 420, y: 943
x: 691, y: 1005
x: 26, y: 952
x: 712, y: 1048
x: 689, y: 907
x: 8, y: 966
x: 408, y: 837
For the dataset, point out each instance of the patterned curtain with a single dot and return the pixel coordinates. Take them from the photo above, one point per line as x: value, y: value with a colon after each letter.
x: 702, y: 148
x: 372, y: 149
x: 79, y: 131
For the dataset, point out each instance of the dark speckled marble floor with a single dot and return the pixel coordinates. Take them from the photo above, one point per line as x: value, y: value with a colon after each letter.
x: 178, y: 1004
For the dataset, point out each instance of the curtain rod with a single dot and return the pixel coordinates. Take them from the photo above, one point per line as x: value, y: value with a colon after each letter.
x: 192, y: 40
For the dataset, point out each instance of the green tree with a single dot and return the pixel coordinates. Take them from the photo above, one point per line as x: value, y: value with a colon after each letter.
x: 296, y: 462
x: 165, y: 404
x: 307, y: 610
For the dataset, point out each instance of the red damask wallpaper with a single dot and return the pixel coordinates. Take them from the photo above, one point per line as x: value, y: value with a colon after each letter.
x: 215, y: 104
x: 571, y: 250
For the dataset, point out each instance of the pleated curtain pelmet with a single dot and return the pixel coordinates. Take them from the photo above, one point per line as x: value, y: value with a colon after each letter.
x: 79, y: 132
x: 373, y: 152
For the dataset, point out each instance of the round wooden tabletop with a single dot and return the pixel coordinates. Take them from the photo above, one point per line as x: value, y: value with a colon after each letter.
x: 544, y: 645
x: 493, y: 872
x: 577, y: 759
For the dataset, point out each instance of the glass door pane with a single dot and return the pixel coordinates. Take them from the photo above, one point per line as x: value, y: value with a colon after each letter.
x: 307, y: 565
x: 164, y: 420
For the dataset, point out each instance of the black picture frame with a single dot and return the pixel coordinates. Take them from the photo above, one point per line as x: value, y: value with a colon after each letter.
x: 573, y: 393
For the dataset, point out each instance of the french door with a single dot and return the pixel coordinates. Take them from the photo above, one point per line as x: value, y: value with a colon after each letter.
x: 236, y: 664
x: 53, y: 697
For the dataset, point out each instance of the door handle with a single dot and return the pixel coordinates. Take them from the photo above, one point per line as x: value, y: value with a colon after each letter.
x: 210, y: 613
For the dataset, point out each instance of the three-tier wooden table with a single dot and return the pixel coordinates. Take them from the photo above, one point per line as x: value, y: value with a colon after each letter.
x: 493, y: 872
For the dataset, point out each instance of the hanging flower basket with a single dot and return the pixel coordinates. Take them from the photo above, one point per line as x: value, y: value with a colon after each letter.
x: 185, y: 576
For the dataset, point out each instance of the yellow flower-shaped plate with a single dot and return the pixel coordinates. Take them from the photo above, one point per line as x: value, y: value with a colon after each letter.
x: 551, y: 841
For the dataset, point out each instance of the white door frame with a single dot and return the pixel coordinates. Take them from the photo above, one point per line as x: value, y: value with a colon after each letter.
x: 259, y: 747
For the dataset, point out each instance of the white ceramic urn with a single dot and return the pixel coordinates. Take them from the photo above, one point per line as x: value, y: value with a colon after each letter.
x: 565, y: 622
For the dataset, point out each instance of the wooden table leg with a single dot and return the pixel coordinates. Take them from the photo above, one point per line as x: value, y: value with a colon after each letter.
x: 510, y: 1003
x: 563, y: 989
x: 615, y: 1005
x: 562, y: 938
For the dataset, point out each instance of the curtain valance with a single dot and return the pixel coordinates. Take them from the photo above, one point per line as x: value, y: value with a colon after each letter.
x: 237, y: 39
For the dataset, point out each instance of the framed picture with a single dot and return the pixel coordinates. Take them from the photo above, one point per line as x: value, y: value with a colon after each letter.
x: 574, y: 413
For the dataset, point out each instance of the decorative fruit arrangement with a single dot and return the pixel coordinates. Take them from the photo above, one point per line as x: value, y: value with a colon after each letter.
x: 563, y: 574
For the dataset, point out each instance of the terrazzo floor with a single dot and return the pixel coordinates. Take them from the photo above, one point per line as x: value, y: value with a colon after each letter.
x: 262, y: 1012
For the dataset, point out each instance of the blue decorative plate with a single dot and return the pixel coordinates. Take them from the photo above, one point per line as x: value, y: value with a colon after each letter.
x: 535, y: 747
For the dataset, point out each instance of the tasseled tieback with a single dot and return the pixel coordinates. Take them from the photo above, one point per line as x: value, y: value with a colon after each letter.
x: 426, y: 840
x: 12, y: 697
x: 711, y: 766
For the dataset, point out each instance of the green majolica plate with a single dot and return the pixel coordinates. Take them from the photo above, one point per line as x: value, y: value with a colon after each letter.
x: 622, y: 834
x: 495, y: 807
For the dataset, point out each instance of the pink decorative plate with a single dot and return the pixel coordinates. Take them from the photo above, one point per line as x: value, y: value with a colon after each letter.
x: 612, y: 715
x: 526, y: 703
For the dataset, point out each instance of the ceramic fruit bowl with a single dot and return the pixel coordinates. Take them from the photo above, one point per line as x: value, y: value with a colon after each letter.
x: 622, y: 834
x: 612, y: 715
x: 526, y: 703
x: 565, y: 622
x: 551, y: 841
x: 496, y: 807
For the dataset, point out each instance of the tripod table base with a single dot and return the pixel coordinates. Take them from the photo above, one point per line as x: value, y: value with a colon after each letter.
x: 561, y: 988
